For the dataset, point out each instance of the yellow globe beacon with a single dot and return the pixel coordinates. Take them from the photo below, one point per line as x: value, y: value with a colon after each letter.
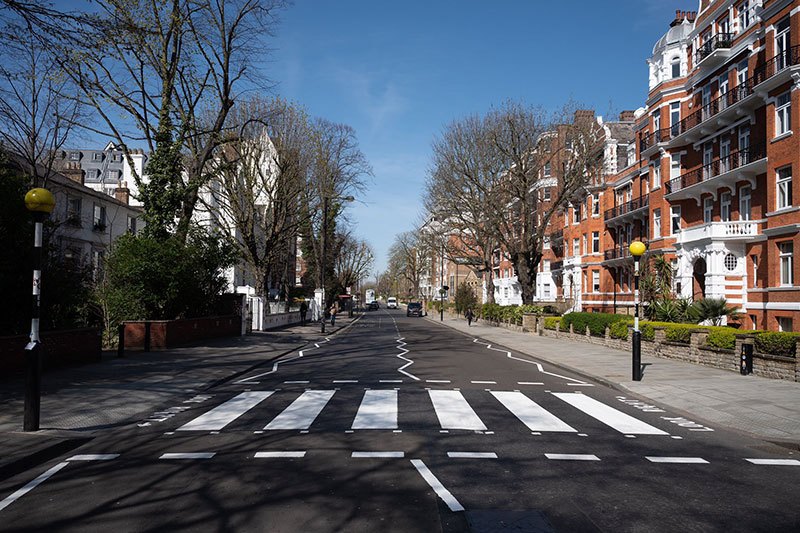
x: 637, y: 248
x: 39, y: 200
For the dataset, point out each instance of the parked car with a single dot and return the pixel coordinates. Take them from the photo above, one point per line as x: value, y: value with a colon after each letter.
x: 372, y: 306
x: 414, y: 309
x: 391, y: 303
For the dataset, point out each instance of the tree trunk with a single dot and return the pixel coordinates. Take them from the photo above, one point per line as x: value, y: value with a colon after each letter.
x: 526, y: 274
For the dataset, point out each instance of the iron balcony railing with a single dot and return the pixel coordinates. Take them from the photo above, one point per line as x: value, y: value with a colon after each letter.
x: 730, y: 97
x: 715, y: 168
x: 720, y: 40
x: 620, y: 252
x: 627, y: 207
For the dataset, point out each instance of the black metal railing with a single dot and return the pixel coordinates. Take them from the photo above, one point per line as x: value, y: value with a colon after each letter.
x: 627, y: 207
x: 715, y: 168
x: 718, y: 41
x: 556, y: 265
x: 730, y: 97
x: 620, y: 252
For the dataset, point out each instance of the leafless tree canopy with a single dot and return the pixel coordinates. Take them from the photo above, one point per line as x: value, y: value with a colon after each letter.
x: 409, y: 259
x: 354, y: 260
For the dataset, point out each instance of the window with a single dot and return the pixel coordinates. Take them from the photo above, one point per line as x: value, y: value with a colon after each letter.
x: 99, y: 218
x: 576, y: 247
x: 675, y: 217
x: 676, y: 67
x: 744, y: 15
x: 725, y: 207
x: 97, y: 156
x: 545, y: 265
x: 754, y: 322
x: 98, y: 260
x: 547, y: 170
x: 595, y: 242
x: 784, y: 187
x: 74, y: 211
x: 675, y: 117
x: 657, y: 125
x: 745, y: 203
x: 546, y: 291
x: 754, y: 261
x: 708, y: 210
x: 706, y: 101
x: 724, y: 155
x: 656, y: 175
x: 595, y: 205
x: 741, y: 74
x: 546, y: 243
x: 74, y: 156
x: 724, y: 26
x: 547, y: 194
x: 585, y: 247
x: 675, y: 166
x: 576, y: 214
x: 784, y: 323
x: 782, y: 44
x: 783, y: 111
x: 656, y: 223
x: 132, y: 226
x: 595, y: 281
x: 786, y: 255
x: 708, y: 156
x: 730, y: 262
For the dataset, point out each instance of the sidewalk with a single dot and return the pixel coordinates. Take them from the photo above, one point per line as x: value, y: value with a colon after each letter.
x: 78, y: 401
x: 766, y: 408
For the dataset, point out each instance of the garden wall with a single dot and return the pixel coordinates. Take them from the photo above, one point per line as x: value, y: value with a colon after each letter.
x: 166, y: 334
x: 60, y: 348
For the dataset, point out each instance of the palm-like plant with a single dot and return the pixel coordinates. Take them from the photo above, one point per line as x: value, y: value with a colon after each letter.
x: 714, y: 309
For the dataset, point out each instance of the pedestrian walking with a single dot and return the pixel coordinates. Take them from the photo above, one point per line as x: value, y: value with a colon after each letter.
x: 333, y: 315
x: 470, y: 317
x: 303, y: 313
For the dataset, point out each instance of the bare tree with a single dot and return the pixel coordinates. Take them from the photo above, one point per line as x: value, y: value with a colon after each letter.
x: 354, y: 260
x: 409, y: 258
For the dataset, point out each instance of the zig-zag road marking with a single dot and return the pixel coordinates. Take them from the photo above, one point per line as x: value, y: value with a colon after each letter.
x: 249, y: 380
x: 400, y: 345
x: 538, y: 365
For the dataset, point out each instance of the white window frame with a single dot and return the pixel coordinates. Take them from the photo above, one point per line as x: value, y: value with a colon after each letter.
x: 785, y: 323
x: 786, y: 260
x: 595, y: 242
x: 725, y: 207
x: 576, y: 247
x: 724, y: 155
x: 745, y: 202
x: 741, y: 73
x: 783, y: 188
x: 595, y: 205
x: 674, y: 219
x: 656, y: 223
x: 708, y: 209
x: 675, y: 166
x: 656, y: 175
x: 783, y: 114
x: 743, y: 11
x: 595, y: 281
x: 676, y: 62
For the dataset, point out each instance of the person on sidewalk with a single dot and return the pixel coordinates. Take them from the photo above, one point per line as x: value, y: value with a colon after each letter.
x: 470, y: 316
x: 303, y: 313
x: 333, y: 315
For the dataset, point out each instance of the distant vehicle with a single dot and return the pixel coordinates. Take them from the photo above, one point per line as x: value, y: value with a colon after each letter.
x: 414, y: 309
x: 372, y: 306
x: 369, y: 296
x: 391, y: 303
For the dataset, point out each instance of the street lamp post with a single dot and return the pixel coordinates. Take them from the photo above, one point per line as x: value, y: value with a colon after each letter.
x: 441, y: 288
x: 40, y: 203
x: 637, y: 249
x: 323, y: 243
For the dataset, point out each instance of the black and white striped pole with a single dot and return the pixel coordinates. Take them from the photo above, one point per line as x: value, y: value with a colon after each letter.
x: 40, y: 203
x: 637, y: 249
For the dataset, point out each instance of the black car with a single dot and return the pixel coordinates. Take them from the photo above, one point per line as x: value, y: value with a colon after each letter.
x: 414, y: 309
x: 372, y: 306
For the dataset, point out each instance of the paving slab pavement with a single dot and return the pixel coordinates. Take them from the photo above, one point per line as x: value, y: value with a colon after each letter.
x: 78, y: 401
x: 765, y: 408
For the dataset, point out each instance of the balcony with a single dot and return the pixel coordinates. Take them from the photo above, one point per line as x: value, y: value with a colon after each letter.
x: 714, y: 51
x: 628, y: 210
x: 572, y: 261
x: 725, y: 172
x: 738, y: 230
x: 619, y: 254
x: 556, y: 236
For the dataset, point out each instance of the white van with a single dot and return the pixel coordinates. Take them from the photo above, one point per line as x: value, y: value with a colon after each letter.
x: 391, y: 302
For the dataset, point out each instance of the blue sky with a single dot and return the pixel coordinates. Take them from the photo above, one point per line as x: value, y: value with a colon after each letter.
x: 398, y: 72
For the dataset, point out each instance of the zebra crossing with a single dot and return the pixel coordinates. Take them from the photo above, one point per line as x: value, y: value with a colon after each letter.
x: 378, y: 409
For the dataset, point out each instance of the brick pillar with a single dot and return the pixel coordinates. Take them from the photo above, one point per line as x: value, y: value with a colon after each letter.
x: 697, y: 340
x: 529, y: 322
x: 659, y: 336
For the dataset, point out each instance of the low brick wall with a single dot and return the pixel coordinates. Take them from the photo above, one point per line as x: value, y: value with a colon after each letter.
x: 60, y: 348
x: 279, y: 320
x: 171, y: 333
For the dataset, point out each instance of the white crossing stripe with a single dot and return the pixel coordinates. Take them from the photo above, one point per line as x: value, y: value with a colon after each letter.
x: 94, y: 457
x: 685, y: 460
x: 275, y: 455
x: 224, y: 414
x: 446, y: 496
x: 303, y: 411
x: 31, y: 485
x: 454, y: 412
x: 530, y: 413
x: 389, y: 455
x: 197, y: 455
x: 572, y: 457
x: 775, y: 462
x: 378, y: 410
x: 608, y: 415
x: 472, y: 455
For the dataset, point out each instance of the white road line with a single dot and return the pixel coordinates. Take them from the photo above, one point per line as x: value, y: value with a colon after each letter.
x: 454, y: 412
x: 385, y: 455
x: 775, y: 462
x: 437, y: 381
x: 390, y: 381
x: 483, y: 382
x: 94, y: 457
x: 296, y: 382
x: 345, y: 381
x: 530, y: 413
x: 400, y: 346
x: 538, y: 365
x: 437, y: 486
x: 378, y: 410
x: 224, y: 414
x: 608, y: 415
x: 303, y: 411
x: 198, y: 455
x: 31, y: 485
x: 300, y: 354
x: 472, y: 455
x: 572, y: 457
x: 276, y: 455
x: 529, y: 383
x: 579, y: 385
x: 683, y: 460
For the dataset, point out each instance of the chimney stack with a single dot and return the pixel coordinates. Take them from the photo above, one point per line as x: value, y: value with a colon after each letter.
x: 122, y: 193
x: 627, y: 116
x: 73, y: 172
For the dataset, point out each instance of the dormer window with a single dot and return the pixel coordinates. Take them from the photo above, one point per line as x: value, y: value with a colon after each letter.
x: 676, y: 67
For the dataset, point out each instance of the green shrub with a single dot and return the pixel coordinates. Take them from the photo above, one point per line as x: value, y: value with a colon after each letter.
x: 551, y: 321
x: 776, y: 343
x: 596, y: 322
x: 648, y: 331
x: 619, y: 330
x: 680, y: 333
x: 721, y: 337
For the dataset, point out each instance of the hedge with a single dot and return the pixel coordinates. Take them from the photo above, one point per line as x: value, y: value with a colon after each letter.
x: 596, y: 322
x: 722, y: 337
x: 550, y: 322
x: 776, y: 343
x: 618, y: 330
x: 680, y: 333
x: 507, y: 313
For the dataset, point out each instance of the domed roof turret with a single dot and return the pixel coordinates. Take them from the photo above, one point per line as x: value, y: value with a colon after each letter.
x: 676, y: 34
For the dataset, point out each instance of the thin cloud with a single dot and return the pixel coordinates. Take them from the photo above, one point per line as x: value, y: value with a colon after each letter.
x: 376, y: 99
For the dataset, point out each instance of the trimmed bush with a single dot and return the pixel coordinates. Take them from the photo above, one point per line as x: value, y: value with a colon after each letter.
x: 596, y: 322
x: 721, y: 337
x: 776, y: 343
x: 619, y: 330
x: 680, y: 333
x: 551, y: 321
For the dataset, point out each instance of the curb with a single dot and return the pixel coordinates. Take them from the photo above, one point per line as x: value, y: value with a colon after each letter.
x: 26, y: 462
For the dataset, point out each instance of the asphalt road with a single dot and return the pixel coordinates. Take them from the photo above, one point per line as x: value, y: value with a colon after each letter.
x: 401, y: 424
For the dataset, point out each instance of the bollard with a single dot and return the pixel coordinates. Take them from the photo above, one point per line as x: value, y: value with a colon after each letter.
x: 747, y: 359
